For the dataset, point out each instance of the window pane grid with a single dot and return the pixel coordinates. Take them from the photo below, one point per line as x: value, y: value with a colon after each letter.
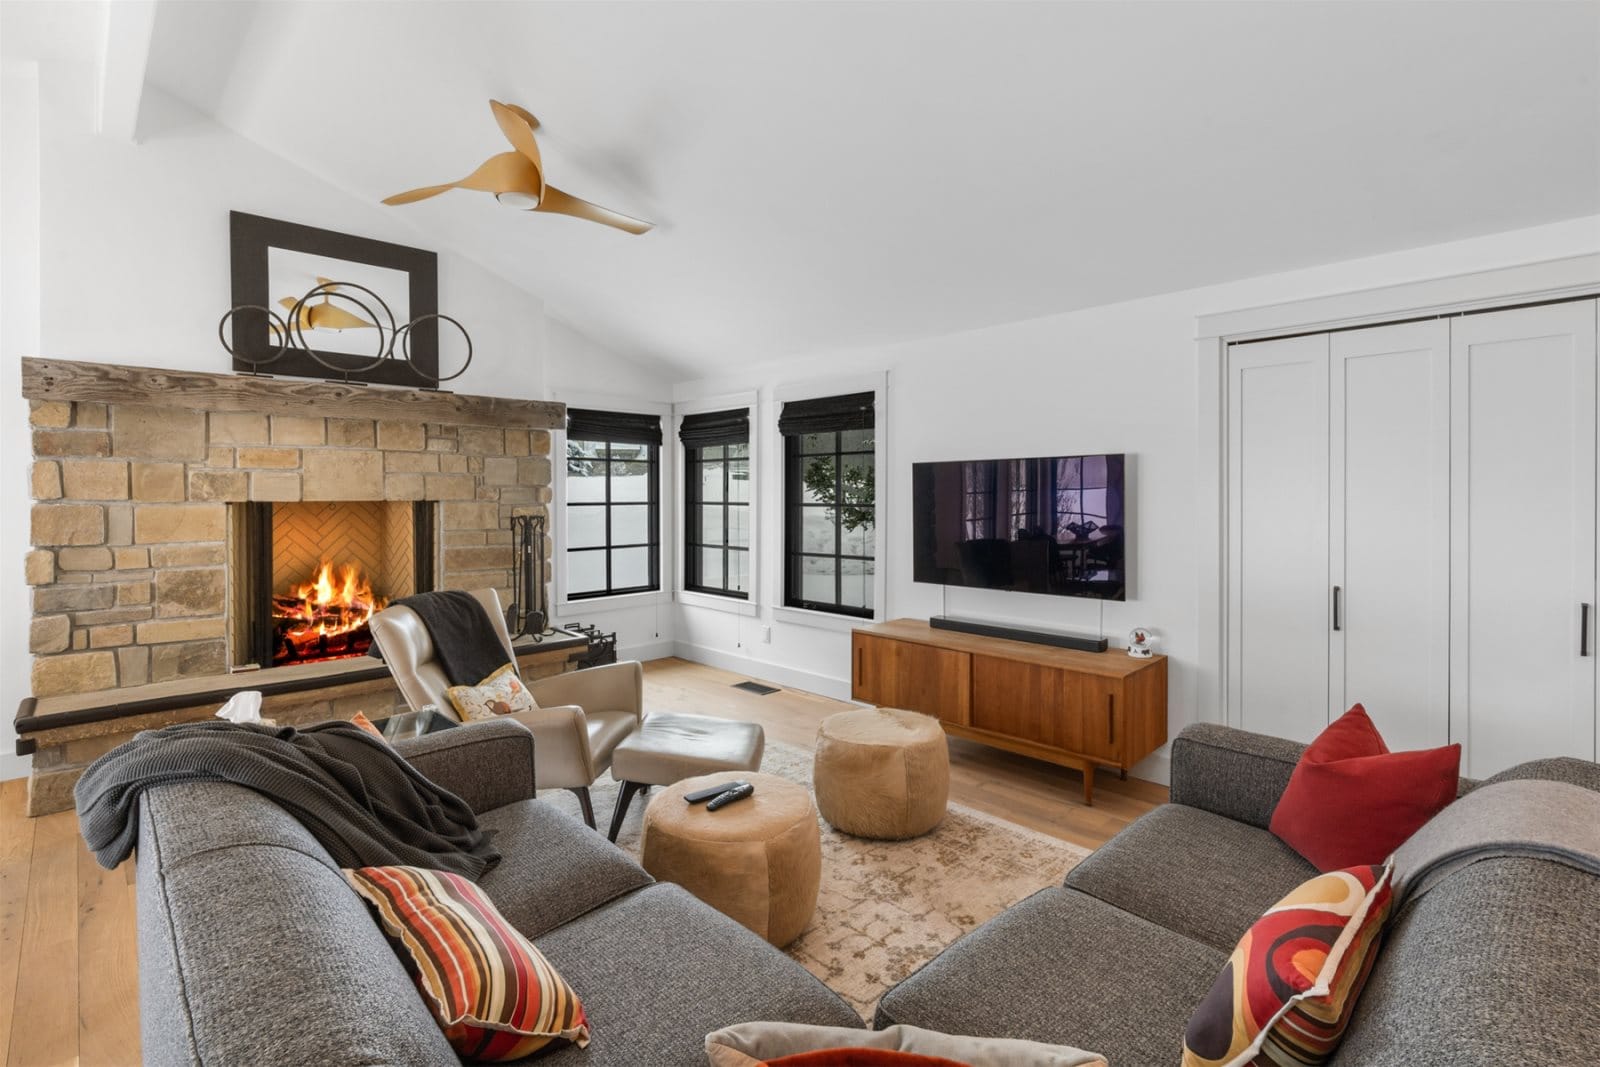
x: 830, y: 493
x: 711, y: 558
x: 626, y: 476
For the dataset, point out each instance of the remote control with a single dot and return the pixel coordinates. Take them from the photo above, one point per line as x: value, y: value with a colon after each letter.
x: 744, y: 789
x: 700, y: 796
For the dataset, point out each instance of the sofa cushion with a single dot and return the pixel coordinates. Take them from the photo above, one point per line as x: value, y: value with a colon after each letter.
x: 1065, y: 969
x: 233, y: 815
x: 658, y: 971
x: 552, y: 868
x: 1202, y: 875
x: 1493, y: 965
x: 229, y: 936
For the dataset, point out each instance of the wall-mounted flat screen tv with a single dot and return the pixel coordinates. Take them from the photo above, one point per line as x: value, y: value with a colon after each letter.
x: 1048, y: 525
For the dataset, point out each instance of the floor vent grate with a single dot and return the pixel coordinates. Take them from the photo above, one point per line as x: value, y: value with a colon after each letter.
x: 756, y: 687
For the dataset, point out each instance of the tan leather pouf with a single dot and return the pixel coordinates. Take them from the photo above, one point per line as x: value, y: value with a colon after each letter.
x: 882, y: 772
x: 758, y: 861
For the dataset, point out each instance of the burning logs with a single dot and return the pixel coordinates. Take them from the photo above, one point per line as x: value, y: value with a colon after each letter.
x: 324, y: 618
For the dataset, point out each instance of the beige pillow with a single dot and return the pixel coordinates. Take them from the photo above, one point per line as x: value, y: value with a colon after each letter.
x: 502, y: 693
x: 752, y: 1044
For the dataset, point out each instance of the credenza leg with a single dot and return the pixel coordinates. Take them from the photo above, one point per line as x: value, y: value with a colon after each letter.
x: 1088, y: 784
x: 1123, y: 774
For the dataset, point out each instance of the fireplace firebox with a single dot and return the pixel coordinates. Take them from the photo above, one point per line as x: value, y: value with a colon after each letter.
x: 307, y: 575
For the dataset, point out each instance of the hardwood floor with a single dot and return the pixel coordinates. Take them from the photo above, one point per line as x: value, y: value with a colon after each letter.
x: 68, y: 966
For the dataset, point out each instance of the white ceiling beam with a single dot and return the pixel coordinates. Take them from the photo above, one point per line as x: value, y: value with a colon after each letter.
x: 124, y: 55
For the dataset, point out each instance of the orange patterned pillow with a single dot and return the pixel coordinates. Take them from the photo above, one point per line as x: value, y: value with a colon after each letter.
x: 360, y: 719
x: 502, y: 693
x: 495, y: 996
x: 1290, y: 987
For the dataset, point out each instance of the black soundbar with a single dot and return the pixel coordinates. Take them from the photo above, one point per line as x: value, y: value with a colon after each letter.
x: 1055, y: 638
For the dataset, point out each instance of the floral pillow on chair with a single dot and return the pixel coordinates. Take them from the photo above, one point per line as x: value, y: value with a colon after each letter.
x: 502, y: 693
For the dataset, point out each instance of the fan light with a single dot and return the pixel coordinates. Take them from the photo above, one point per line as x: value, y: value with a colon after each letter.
x: 520, y: 201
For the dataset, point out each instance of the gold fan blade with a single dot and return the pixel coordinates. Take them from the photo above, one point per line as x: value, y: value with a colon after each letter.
x: 508, y: 172
x: 524, y: 114
x: 515, y: 124
x: 414, y: 195
x: 334, y: 317
x: 288, y: 303
x: 556, y: 201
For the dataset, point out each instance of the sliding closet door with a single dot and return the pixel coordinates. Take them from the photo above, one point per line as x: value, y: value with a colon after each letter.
x: 1278, y: 536
x: 1523, y: 535
x: 1389, y: 537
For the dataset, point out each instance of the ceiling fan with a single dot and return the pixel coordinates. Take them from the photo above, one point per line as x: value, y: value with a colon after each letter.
x: 517, y: 178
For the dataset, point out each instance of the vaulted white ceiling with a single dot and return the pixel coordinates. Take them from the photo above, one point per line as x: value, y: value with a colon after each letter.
x: 832, y: 174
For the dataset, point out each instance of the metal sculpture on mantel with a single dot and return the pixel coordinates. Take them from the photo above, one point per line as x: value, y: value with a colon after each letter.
x: 527, y: 617
x: 290, y: 332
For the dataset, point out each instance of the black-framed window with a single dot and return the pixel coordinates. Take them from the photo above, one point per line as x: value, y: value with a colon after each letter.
x: 716, y: 534
x: 830, y: 492
x: 613, y: 503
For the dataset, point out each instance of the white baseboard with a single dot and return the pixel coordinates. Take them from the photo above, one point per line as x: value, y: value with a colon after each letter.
x: 14, y: 766
x: 647, y: 651
x: 1156, y: 767
x: 766, y: 670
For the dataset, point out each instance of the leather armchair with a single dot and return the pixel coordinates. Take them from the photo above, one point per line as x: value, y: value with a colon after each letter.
x: 581, y: 718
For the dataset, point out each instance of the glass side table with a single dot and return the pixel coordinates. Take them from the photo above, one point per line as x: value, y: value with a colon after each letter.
x: 426, y: 720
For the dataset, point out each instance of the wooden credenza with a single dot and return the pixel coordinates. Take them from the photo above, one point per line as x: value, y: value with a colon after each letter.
x: 1076, y: 709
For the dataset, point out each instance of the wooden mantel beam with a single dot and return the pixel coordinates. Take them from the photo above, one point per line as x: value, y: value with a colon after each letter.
x: 110, y: 383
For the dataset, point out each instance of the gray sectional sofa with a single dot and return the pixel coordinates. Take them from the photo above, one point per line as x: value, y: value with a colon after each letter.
x: 1497, y: 964
x: 254, y: 950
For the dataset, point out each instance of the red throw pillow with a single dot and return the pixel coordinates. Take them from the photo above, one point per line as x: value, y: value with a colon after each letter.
x: 1350, y: 801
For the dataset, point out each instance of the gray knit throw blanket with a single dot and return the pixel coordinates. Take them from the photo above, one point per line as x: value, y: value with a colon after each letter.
x: 1553, y: 821
x: 365, y: 804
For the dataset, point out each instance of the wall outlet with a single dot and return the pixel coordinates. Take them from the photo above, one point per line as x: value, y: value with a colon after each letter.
x: 766, y: 635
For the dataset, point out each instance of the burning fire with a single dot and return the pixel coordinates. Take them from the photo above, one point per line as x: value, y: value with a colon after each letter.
x: 327, y: 605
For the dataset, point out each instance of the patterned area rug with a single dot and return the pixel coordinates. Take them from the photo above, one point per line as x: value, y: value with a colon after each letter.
x: 887, y: 907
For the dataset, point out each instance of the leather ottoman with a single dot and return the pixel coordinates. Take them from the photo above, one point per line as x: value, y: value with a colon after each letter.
x: 758, y: 861
x: 882, y: 772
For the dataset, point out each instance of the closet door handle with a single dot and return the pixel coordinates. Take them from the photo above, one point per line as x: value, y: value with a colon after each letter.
x: 1583, y: 631
x: 1338, y: 604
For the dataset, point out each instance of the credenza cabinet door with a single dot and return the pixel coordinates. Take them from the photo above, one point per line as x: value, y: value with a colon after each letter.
x: 916, y: 677
x: 1389, y: 534
x: 1523, y: 535
x: 1279, y: 592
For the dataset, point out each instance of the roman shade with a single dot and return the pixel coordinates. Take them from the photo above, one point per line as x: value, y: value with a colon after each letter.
x: 827, y: 414
x: 710, y: 428
x: 618, y: 427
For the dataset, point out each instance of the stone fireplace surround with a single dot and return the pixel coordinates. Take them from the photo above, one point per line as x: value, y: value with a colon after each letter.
x: 134, y: 469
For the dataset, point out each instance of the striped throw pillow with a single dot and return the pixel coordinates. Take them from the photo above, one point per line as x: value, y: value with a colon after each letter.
x: 1290, y: 987
x: 495, y: 996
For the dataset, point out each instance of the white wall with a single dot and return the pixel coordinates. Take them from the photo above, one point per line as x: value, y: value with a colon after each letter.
x: 1122, y: 378
x: 19, y: 336
x: 583, y: 373
x: 118, y: 252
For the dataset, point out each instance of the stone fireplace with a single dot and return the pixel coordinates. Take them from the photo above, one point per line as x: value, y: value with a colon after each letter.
x: 181, y: 523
